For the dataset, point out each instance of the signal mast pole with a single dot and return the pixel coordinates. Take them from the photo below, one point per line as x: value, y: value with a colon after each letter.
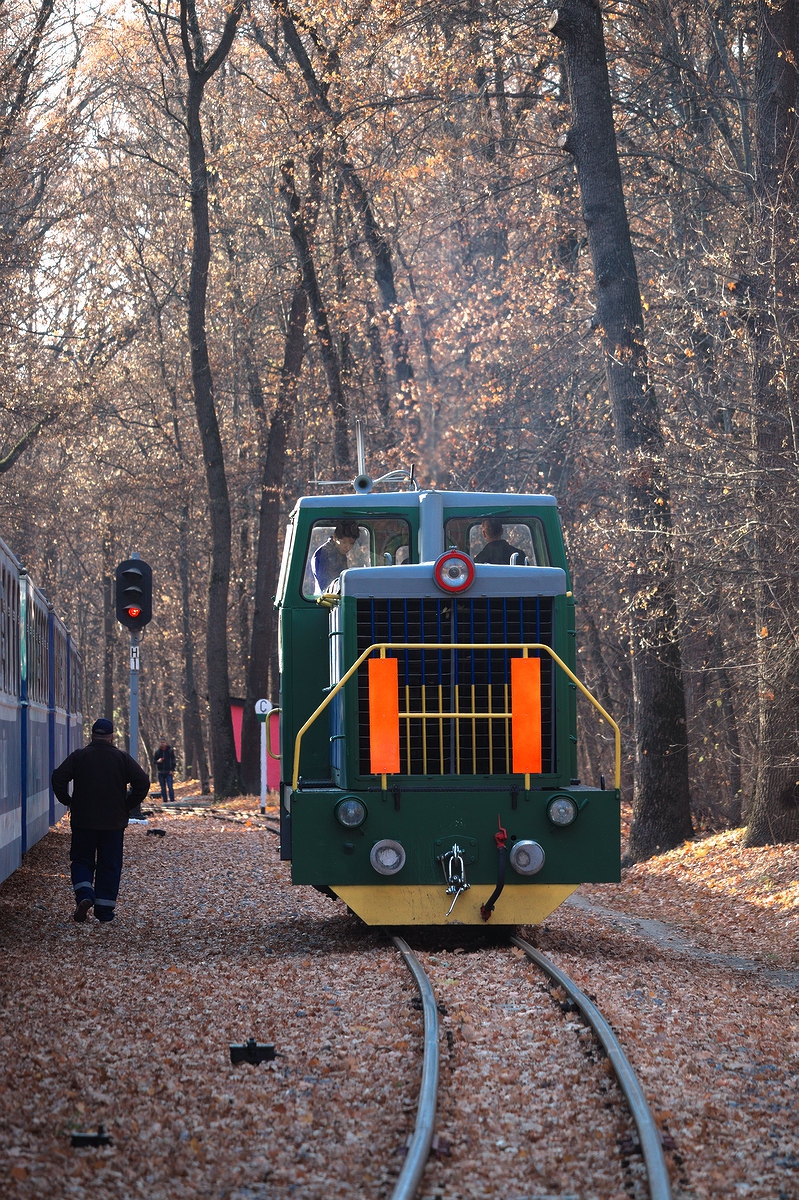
x: 135, y: 640
x: 134, y: 609
x: 136, y: 813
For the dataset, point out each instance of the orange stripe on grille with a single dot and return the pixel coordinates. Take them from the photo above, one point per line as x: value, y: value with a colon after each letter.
x: 525, y: 682
x: 384, y: 743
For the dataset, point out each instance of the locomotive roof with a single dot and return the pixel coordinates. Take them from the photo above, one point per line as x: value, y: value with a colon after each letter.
x: 411, y: 499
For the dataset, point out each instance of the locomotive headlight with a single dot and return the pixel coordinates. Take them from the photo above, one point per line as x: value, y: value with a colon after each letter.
x: 387, y: 857
x: 350, y: 812
x: 526, y: 858
x: 453, y: 571
x: 562, y: 811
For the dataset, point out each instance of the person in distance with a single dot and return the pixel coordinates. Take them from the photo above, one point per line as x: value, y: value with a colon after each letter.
x: 164, y: 759
x: 106, y: 785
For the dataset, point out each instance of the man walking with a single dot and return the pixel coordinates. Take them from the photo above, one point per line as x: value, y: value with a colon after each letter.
x: 99, y: 806
x: 165, y: 764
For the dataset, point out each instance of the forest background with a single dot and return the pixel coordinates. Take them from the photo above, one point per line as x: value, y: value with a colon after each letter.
x: 226, y: 233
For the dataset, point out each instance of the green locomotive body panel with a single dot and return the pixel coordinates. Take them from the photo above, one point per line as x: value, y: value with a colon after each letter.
x: 429, y: 822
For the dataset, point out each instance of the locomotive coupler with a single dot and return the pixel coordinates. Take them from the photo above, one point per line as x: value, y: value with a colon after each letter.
x: 454, y: 873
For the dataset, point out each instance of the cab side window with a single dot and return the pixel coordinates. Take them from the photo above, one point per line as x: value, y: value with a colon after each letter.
x: 502, y: 543
x: 339, y: 543
x: 498, y: 539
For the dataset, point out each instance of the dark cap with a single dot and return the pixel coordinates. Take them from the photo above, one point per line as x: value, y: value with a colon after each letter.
x: 102, y: 726
x: 347, y: 529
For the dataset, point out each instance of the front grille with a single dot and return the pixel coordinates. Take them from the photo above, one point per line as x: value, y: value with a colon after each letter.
x: 465, y: 684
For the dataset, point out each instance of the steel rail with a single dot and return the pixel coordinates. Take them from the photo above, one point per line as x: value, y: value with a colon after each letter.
x: 422, y: 1139
x: 648, y: 1133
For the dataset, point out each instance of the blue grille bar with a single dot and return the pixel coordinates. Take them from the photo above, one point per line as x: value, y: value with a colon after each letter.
x: 461, y: 681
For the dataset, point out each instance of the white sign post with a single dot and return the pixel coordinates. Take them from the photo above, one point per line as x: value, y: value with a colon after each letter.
x: 262, y: 710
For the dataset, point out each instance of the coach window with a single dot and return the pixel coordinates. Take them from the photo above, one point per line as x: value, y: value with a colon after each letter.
x: 381, y: 542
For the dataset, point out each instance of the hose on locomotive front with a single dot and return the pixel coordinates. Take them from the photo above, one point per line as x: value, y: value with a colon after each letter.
x: 501, y: 842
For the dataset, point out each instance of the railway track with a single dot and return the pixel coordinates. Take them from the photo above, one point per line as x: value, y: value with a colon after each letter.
x: 649, y: 1141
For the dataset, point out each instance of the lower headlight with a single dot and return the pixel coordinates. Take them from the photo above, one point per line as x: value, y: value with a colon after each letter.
x: 387, y: 857
x: 526, y: 858
x: 350, y: 812
x: 562, y: 810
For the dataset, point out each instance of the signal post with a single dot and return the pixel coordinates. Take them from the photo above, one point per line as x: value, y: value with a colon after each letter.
x: 134, y: 610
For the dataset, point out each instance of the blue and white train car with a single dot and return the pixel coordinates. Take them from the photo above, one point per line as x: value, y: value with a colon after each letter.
x: 41, y: 720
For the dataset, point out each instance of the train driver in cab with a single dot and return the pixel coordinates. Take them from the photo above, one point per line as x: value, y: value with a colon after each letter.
x: 496, y: 549
x: 330, y: 559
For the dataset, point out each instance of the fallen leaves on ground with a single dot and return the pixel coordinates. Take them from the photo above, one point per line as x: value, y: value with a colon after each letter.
x: 693, y: 959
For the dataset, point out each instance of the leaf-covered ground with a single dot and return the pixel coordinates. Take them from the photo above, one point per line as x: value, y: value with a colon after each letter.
x: 693, y: 958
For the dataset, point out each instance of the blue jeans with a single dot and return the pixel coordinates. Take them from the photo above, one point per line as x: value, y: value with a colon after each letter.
x: 165, y: 780
x: 95, y: 857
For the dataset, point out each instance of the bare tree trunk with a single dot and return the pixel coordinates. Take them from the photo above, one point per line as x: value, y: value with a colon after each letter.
x: 773, y: 332
x: 268, y: 534
x: 225, y: 766
x: 187, y: 741
x: 300, y: 236
x: 194, y: 745
x: 661, y: 805
x: 109, y: 633
x: 10, y: 458
x: 374, y: 237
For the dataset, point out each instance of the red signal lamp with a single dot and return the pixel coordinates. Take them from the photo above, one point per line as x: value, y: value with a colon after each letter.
x: 134, y: 594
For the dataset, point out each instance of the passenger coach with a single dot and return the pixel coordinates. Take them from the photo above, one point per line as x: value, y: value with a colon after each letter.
x: 40, y: 710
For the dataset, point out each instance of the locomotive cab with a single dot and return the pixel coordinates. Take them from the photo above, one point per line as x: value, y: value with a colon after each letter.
x: 429, y: 710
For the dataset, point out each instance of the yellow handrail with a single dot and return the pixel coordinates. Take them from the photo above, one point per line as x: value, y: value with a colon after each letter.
x: 526, y: 646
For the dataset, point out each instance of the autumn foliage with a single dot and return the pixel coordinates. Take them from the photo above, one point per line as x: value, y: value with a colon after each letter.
x: 396, y: 234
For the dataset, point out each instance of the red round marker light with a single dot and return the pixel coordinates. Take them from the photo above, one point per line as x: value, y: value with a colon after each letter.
x: 454, y: 571
x: 133, y: 613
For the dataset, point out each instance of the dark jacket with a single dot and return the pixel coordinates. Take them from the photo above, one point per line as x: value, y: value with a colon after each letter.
x: 100, y: 775
x: 499, y: 551
x: 164, y: 760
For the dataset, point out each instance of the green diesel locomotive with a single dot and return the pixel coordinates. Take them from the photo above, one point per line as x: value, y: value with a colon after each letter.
x: 429, y: 707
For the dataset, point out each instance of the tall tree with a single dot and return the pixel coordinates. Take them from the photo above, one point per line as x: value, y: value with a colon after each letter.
x: 661, y: 803
x: 37, y: 111
x: 301, y: 229
x: 272, y: 477
x: 773, y: 295
x: 193, y: 743
x: 200, y: 68
x: 320, y: 87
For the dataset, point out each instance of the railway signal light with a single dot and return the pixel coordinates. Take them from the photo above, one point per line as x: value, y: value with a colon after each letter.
x: 134, y: 593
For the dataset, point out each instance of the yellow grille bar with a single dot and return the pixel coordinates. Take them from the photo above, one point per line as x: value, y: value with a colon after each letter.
x: 439, y: 715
